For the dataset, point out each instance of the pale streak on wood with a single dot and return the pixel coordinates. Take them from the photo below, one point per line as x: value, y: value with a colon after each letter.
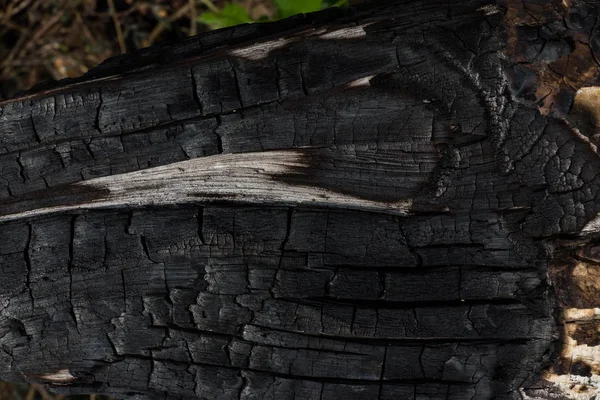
x: 351, y: 32
x: 248, y: 178
x: 580, y: 314
x: 260, y: 51
x: 592, y: 226
x: 62, y: 376
x: 361, y: 82
x: 489, y: 9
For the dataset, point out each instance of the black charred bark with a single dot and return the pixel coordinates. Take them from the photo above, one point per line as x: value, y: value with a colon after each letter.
x: 396, y: 201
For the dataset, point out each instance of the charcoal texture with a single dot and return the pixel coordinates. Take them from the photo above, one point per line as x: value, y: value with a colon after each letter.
x: 432, y: 283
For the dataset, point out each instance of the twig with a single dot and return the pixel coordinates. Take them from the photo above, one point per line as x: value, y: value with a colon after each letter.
x: 43, y: 392
x: 32, y: 77
x: 193, y: 30
x: 51, y: 71
x: 13, y: 8
x: 11, y: 56
x: 23, y: 63
x: 85, y: 29
x: 30, y: 393
x: 12, y: 25
x: 32, y: 15
x: 18, y: 48
x: 19, y: 51
x: 211, y: 6
x: 120, y: 38
x: 43, y: 29
x: 162, y: 24
x: 120, y: 14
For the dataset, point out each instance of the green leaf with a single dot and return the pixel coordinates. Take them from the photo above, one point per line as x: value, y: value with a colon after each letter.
x: 288, y: 8
x: 335, y: 3
x: 231, y: 14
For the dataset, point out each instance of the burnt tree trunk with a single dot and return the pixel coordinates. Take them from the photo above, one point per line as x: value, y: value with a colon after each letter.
x: 396, y: 201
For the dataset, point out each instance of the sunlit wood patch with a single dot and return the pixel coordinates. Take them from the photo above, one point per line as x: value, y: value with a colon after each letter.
x: 577, y: 373
x: 575, y: 276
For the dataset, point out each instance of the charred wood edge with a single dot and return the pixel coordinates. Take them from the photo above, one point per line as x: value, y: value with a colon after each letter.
x: 561, y: 81
x: 194, y: 48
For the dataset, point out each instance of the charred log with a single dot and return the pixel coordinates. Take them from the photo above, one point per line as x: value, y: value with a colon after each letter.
x: 395, y: 201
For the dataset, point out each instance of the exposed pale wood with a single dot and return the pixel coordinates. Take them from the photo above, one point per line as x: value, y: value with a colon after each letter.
x: 249, y: 178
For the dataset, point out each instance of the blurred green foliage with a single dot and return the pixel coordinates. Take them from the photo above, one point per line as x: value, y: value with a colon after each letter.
x: 287, y: 8
x: 233, y: 13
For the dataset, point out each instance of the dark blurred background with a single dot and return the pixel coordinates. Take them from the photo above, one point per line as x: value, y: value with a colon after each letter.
x: 55, y: 39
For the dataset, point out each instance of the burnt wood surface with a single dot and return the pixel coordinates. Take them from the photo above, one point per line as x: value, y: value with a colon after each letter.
x: 393, y: 201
